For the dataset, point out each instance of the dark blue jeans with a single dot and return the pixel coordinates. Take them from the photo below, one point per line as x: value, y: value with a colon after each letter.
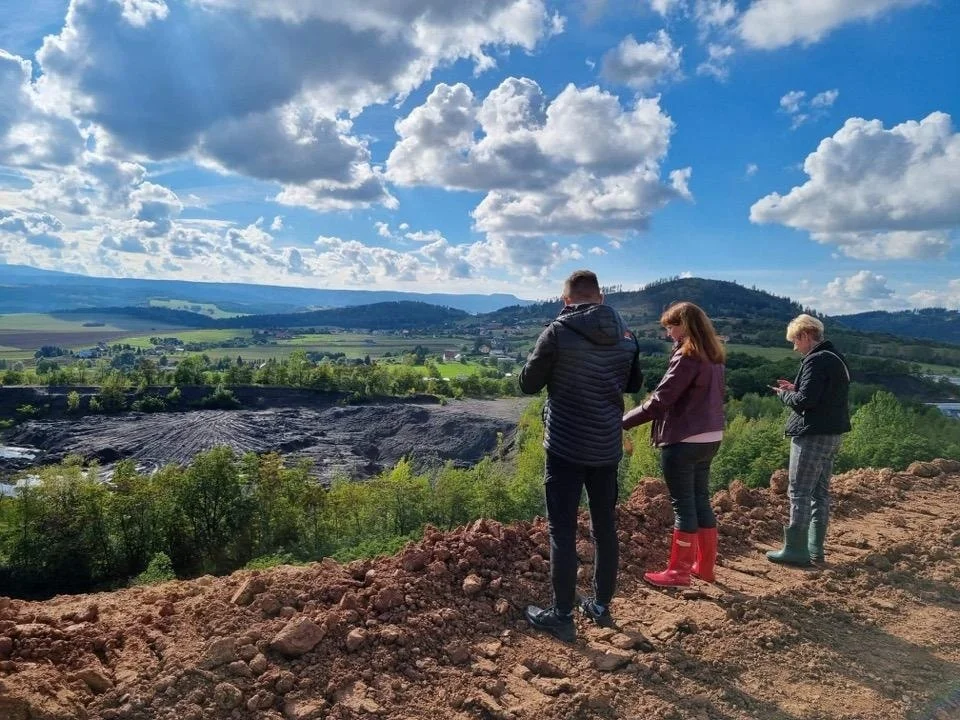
x: 686, y: 470
x: 564, y: 484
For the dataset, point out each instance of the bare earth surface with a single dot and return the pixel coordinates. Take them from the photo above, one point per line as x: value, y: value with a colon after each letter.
x: 437, y: 631
x: 355, y: 440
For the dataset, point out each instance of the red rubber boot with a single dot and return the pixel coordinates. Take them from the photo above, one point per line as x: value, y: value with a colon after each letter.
x: 706, y: 554
x: 682, y: 555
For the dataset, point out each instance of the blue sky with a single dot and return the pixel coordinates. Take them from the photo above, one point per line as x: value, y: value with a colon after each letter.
x: 808, y: 147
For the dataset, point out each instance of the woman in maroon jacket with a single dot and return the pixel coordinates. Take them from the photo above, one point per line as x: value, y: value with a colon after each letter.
x: 687, y: 413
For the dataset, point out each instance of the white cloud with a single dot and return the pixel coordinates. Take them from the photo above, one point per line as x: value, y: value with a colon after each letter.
x: 579, y: 164
x: 863, y: 285
x: 666, y: 7
x: 801, y: 110
x: 875, y: 192
x: 824, y: 99
x: 769, y: 24
x: 642, y: 65
x: 790, y: 103
x: 714, y: 14
x: 31, y: 134
x: 278, y: 80
x: 277, y: 224
x: 597, y: 250
x: 752, y: 169
x: 716, y: 63
x: 947, y: 297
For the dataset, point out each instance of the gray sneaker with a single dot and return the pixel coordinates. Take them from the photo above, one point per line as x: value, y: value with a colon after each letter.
x: 600, y: 614
x: 551, y: 621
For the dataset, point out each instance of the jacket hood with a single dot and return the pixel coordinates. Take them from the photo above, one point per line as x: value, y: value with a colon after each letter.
x: 600, y: 324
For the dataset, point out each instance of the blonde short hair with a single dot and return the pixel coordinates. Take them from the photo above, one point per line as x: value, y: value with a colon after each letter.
x: 804, y: 324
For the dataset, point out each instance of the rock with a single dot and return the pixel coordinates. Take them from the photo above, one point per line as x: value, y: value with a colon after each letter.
x: 248, y: 591
x: 542, y: 667
x: 780, y: 482
x: 240, y: 668
x: 349, y: 601
x: 924, y: 469
x: 947, y: 465
x: 285, y: 683
x: 387, y: 599
x: 552, y: 687
x: 258, y: 664
x: 220, y: 652
x: 458, y: 653
x: 310, y: 709
x: 501, y: 607
x: 414, y: 561
x: 741, y: 494
x: 227, y: 696
x: 631, y: 641
x: 297, y: 637
x: 472, y: 584
x: 95, y: 680
x: 356, y: 638
x: 390, y: 634
x: 6, y: 647
x: 611, y: 660
x: 247, y: 652
x: 268, y: 604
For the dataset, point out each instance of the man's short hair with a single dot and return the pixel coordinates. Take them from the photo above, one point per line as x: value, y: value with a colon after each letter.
x: 805, y: 324
x: 582, y: 285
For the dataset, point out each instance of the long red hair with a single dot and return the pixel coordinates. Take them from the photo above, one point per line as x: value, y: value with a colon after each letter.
x: 700, y: 339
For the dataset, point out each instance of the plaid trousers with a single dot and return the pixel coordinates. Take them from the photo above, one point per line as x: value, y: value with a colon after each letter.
x: 811, y: 464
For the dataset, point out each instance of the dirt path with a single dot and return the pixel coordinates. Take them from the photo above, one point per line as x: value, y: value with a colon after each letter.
x: 436, y: 632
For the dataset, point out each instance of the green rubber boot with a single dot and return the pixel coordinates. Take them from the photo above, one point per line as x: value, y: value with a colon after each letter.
x: 815, y: 538
x: 794, y: 550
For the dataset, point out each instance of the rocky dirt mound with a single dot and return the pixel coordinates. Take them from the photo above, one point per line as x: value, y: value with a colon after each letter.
x: 437, y: 631
x: 356, y: 440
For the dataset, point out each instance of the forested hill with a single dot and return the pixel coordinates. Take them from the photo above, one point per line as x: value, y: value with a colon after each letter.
x: 936, y: 324
x: 401, y: 315
x: 719, y: 298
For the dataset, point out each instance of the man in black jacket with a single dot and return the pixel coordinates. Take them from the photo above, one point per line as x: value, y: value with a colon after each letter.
x: 818, y: 399
x: 587, y: 359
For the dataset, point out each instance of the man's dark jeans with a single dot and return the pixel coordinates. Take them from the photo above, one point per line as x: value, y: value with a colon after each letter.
x: 564, y: 482
x: 686, y: 470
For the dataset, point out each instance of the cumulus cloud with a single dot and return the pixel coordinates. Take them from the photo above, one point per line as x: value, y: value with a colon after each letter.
x: 947, y: 296
x: 642, y: 65
x: 31, y: 135
x: 716, y: 63
x: 578, y: 164
x: 277, y: 78
x: 801, y: 110
x: 877, y: 193
x: 863, y: 285
x: 36, y: 228
x: 769, y: 24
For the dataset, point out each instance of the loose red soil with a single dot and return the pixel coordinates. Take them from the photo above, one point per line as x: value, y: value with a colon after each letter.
x: 437, y: 631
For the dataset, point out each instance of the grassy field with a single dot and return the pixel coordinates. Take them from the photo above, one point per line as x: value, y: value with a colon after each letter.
x: 190, y: 336
x: 769, y: 353
x: 208, y: 309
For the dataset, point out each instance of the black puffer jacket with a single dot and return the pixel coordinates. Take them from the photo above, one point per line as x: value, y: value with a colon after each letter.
x: 587, y: 359
x: 819, y: 403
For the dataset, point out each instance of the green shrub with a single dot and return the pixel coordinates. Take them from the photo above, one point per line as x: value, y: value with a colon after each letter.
x: 150, y: 404
x: 27, y: 410
x: 265, y: 562
x: 220, y: 399
x: 159, y: 570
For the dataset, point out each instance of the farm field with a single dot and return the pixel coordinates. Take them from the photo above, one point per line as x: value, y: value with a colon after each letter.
x: 191, y: 336
x: 22, y: 334
x: 208, y: 309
